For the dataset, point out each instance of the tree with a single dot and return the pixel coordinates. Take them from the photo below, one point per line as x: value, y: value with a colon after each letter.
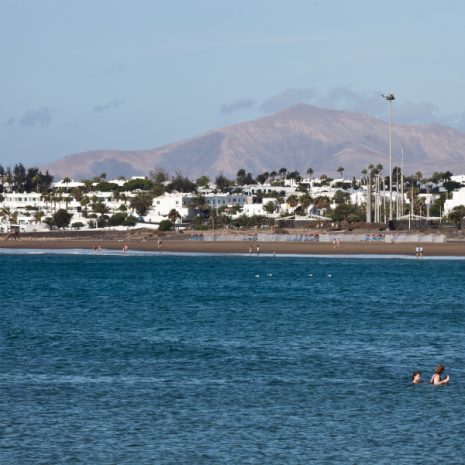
x: 105, y: 186
x: 340, y: 170
x: 66, y: 180
x: 310, y: 172
x: 165, y: 225
x: 38, y: 215
x: 159, y: 176
x: 240, y: 177
x: 118, y: 219
x: 100, y: 208
x: 451, y: 186
x: 203, y: 181
x: 345, y: 212
x: 341, y: 197
x: 173, y: 215
x: 292, y: 201
x: 223, y: 183
x: 305, y: 202
x: 142, y: 202
x: 262, y: 178
x: 457, y: 214
x: 321, y: 202
x: 137, y: 184
x: 294, y: 175
x: 270, y: 207
x: 61, y: 218
x: 181, y: 183
x: 19, y: 177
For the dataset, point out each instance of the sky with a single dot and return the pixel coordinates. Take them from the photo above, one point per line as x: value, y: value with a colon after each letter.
x: 118, y: 74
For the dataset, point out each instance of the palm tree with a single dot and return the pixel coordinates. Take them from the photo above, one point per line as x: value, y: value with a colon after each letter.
x: 292, y: 201
x: 322, y: 202
x: 310, y: 172
x: 38, y: 215
x: 198, y: 201
x: 66, y: 181
x: 364, y: 175
x: 100, y: 208
x: 87, y: 185
x: 340, y: 170
x: 173, y: 215
x: 305, y: 202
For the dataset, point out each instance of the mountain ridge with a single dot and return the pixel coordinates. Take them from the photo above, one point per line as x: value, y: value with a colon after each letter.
x: 298, y: 137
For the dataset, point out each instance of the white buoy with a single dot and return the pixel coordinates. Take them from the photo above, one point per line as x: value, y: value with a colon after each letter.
x: 310, y: 275
x: 329, y: 276
x: 257, y: 275
x: 270, y: 274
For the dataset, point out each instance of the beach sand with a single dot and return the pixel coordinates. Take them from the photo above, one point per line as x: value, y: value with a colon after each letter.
x: 177, y: 244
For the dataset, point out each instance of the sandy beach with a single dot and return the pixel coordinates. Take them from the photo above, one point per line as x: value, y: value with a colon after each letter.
x: 177, y: 244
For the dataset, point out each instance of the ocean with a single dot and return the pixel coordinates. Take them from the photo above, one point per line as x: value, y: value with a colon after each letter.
x: 171, y: 359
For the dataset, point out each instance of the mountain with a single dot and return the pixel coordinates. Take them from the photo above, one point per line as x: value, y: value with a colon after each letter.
x: 297, y: 138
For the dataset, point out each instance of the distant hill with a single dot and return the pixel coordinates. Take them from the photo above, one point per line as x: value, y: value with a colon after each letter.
x: 299, y: 137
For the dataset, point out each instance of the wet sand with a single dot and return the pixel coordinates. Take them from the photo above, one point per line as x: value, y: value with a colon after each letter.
x: 242, y: 247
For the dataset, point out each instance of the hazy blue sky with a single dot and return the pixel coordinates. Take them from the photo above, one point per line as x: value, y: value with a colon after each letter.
x: 87, y: 74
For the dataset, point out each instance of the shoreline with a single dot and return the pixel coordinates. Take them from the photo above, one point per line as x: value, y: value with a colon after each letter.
x: 449, y: 249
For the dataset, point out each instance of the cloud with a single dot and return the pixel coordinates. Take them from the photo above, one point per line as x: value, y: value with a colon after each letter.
x: 108, y: 106
x: 457, y: 120
x: 286, y: 99
x: 346, y: 99
x: 237, y: 105
x: 39, y: 118
x: 418, y: 113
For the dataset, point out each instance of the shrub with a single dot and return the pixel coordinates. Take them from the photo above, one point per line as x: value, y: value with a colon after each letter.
x: 165, y: 225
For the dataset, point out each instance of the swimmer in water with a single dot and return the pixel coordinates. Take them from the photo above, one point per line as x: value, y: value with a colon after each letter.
x: 436, y: 378
x: 416, y: 377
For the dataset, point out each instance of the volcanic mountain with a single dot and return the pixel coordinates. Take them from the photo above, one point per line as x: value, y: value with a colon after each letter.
x: 297, y: 138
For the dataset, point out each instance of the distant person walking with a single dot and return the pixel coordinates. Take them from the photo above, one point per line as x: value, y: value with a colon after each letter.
x: 258, y: 250
x: 417, y: 251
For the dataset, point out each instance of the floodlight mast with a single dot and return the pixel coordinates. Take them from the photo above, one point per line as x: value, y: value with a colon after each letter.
x: 390, y: 98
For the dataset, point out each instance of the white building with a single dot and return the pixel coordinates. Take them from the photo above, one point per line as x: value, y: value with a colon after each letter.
x: 458, y: 198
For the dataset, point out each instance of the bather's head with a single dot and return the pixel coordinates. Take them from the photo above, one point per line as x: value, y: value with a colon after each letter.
x: 439, y: 370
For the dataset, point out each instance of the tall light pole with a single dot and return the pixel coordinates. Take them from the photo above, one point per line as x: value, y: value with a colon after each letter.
x: 390, y: 98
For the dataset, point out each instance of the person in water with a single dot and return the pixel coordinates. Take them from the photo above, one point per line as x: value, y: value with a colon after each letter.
x: 436, y: 378
x: 416, y: 377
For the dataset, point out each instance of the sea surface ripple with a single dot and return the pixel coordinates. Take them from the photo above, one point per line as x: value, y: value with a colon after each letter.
x: 234, y: 360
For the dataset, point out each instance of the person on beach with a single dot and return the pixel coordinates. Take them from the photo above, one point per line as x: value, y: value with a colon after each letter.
x: 258, y: 250
x: 436, y: 379
x: 416, y: 377
x: 250, y: 250
x: 159, y: 243
x: 417, y: 251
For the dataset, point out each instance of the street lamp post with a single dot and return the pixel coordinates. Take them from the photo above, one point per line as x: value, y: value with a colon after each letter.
x: 390, y: 98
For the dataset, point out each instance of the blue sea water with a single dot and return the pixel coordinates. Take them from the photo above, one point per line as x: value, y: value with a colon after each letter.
x: 168, y: 359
